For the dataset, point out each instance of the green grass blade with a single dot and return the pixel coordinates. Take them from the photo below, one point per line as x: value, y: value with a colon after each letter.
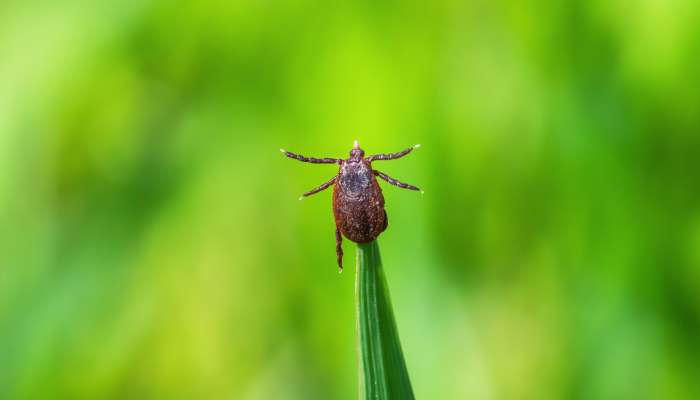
x: 382, y: 368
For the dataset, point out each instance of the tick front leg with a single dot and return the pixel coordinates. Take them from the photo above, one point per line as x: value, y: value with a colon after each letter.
x: 310, y: 159
x: 395, y: 182
x: 318, y: 189
x: 392, y: 156
x: 339, y: 248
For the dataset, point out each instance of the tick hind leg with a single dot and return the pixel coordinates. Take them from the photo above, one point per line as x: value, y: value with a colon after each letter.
x: 339, y: 248
x: 392, y: 156
x: 320, y: 188
x: 310, y: 159
x: 395, y: 182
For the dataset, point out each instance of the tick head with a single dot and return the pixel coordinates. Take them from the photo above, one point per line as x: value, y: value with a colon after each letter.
x: 356, y: 153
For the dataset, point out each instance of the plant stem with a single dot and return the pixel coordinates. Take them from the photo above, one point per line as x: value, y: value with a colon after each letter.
x: 382, y: 368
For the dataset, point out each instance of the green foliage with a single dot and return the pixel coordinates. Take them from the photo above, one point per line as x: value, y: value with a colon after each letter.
x: 382, y: 368
x: 152, y: 247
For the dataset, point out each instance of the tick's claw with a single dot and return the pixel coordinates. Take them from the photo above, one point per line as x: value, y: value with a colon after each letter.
x: 415, y: 146
x: 283, y: 150
x: 301, y: 197
x: 422, y: 192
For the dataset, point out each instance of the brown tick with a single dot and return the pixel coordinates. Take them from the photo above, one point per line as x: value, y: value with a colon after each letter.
x: 358, y: 203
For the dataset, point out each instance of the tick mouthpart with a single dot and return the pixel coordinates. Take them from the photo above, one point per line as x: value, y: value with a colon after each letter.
x: 356, y: 153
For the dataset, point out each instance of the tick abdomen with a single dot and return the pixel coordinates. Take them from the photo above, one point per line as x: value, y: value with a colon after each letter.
x: 359, y: 203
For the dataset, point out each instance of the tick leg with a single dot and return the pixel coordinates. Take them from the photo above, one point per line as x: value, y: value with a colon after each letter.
x: 395, y: 182
x: 318, y: 189
x: 339, y: 248
x: 310, y: 159
x: 391, y: 156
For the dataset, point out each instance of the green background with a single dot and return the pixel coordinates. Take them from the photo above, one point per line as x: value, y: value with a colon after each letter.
x: 152, y: 245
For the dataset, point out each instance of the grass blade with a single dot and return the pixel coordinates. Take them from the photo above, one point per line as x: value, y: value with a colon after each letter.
x: 382, y: 368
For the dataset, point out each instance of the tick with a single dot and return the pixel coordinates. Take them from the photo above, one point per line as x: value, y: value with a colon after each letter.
x: 358, y: 203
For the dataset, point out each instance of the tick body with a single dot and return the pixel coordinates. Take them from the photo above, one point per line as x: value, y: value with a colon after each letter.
x: 358, y: 203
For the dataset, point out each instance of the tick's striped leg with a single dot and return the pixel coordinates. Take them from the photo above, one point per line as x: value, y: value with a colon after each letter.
x: 339, y: 248
x: 310, y: 159
x: 318, y: 189
x: 395, y: 182
x: 391, y: 156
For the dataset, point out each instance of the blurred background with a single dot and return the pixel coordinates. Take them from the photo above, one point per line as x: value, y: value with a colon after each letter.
x: 152, y: 245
